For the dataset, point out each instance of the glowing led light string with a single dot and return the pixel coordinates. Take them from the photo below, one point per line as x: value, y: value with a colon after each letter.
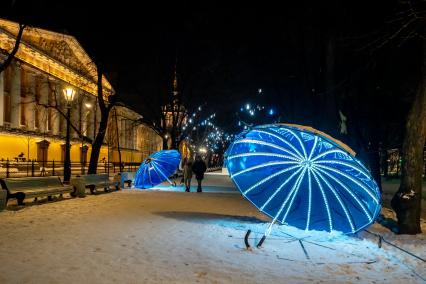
x: 282, y: 140
x: 263, y: 154
x: 298, y: 139
x: 350, y: 178
x: 280, y: 187
x: 324, y: 197
x: 143, y: 179
x: 348, y: 191
x: 309, y: 200
x: 296, y: 185
x: 342, y: 205
x: 313, y: 147
x: 269, y: 178
x: 360, y: 170
x: 248, y: 141
x: 329, y: 152
x: 293, y: 194
x: 263, y: 166
x: 161, y: 160
x: 149, y: 174
x: 156, y: 167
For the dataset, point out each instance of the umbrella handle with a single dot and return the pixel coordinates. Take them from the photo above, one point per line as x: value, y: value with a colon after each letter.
x: 261, y: 241
x: 246, y: 239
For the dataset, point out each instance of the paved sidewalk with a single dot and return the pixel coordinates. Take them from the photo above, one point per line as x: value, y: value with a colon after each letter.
x: 213, y: 182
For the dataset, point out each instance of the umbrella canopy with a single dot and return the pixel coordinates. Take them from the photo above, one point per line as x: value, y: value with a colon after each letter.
x: 157, y: 168
x: 304, y: 178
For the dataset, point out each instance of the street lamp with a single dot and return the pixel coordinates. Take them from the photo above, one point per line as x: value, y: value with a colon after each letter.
x: 69, y: 94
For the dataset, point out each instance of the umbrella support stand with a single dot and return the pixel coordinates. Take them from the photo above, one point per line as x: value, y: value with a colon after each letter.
x: 248, y: 247
x: 262, y: 240
x: 259, y: 244
x: 293, y: 239
x: 246, y: 242
x: 268, y: 231
x: 303, y: 241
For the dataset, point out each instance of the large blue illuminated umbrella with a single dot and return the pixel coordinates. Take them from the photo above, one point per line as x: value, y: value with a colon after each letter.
x: 157, y: 168
x: 304, y: 178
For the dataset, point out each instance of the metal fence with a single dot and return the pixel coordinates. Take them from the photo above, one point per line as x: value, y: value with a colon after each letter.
x: 56, y: 168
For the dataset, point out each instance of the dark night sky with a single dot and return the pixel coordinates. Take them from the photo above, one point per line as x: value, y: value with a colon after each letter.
x: 243, y: 46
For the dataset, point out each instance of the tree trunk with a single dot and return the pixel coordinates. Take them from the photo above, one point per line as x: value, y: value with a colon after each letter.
x: 374, y: 161
x: 10, y: 57
x: 330, y: 111
x: 165, y: 144
x: 103, y: 124
x: 174, y: 140
x: 118, y: 142
x: 384, y: 162
x: 96, y: 146
x: 407, y: 200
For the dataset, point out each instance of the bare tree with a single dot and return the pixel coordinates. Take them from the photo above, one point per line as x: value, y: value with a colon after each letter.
x: 105, y: 108
x: 11, y: 55
x: 410, y: 23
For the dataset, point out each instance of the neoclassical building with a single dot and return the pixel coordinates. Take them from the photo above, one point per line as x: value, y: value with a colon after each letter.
x: 32, y: 105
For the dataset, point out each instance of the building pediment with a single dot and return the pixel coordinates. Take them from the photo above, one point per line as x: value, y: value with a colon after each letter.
x: 58, y: 54
x: 57, y: 48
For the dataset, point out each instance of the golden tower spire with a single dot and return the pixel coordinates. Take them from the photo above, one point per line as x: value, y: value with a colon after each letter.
x: 175, y: 82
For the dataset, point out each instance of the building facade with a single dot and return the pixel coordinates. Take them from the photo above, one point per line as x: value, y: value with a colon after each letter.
x: 33, y: 108
x: 130, y: 139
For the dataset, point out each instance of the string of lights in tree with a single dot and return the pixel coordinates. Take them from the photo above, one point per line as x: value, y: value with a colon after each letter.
x: 255, y: 113
x: 203, y: 134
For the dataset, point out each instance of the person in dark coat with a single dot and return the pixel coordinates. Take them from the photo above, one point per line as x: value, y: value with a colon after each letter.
x: 187, y: 175
x: 199, y: 168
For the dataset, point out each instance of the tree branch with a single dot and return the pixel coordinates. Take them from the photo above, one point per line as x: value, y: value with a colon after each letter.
x: 10, y: 57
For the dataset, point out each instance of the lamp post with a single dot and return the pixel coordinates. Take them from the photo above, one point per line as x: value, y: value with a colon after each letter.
x: 69, y: 94
x: 85, y: 129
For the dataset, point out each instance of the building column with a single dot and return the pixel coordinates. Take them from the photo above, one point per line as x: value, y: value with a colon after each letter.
x: 122, y: 130
x: 15, y: 94
x: 44, y: 100
x: 62, y: 106
x: 55, y: 98
x: 89, y: 117
x: 97, y: 120
x: 1, y: 99
x: 134, y: 135
x: 75, y: 114
x: 30, y: 101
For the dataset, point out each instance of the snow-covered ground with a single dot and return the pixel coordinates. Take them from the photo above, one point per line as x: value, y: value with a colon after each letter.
x: 169, y: 236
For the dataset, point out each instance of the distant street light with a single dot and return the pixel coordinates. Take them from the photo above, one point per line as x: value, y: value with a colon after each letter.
x: 69, y: 94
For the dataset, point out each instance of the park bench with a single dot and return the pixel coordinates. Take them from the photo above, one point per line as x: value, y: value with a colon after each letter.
x: 127, y: 179
x: 3, y: 199
x: 34, y: 187
x: 96, y: 181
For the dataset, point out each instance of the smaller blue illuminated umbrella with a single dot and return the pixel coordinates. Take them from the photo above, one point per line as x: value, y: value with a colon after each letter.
x: 157, y: 168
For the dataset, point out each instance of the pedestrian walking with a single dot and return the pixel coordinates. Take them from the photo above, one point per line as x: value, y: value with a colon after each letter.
x: 199, y: 168
x: 187, y: 175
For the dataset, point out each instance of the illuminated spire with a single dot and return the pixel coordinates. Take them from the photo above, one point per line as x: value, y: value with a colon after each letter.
x: 175, y: 82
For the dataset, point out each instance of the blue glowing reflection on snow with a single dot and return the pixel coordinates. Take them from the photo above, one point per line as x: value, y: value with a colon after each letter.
x: 157, y: 168
x: 302, y: 177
